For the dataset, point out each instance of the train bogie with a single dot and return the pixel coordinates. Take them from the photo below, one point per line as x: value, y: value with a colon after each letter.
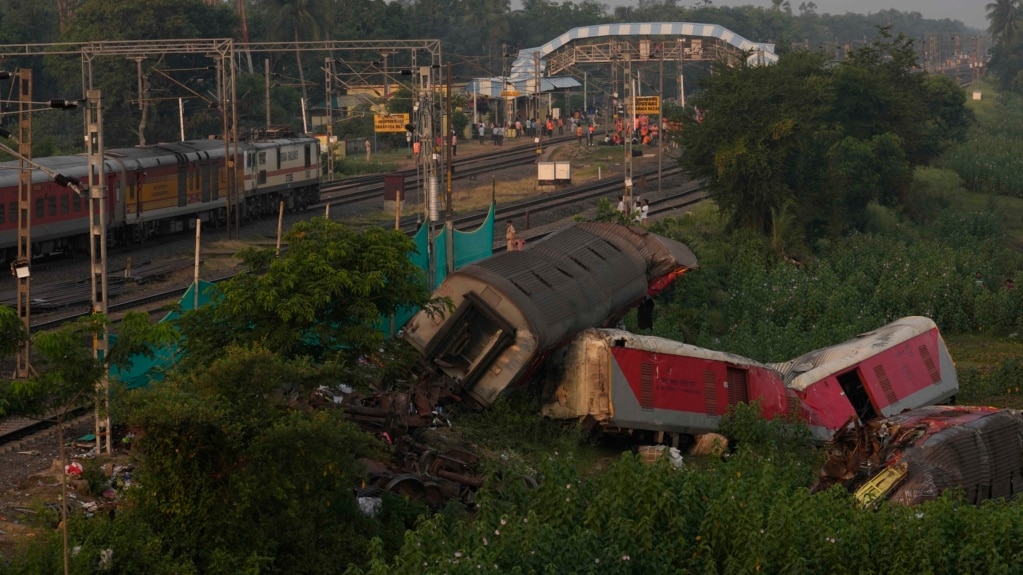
x: 514, y: 307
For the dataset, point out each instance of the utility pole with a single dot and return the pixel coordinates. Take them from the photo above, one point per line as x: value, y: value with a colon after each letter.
x: 23, y: 260
x: 222, y: 107
x: 450, y: 227
x: 627, y: 128
x: 98, y: 254
x: 660, y: 116
x: 541, y: 125
x: 328, y: 68
x: 266, y: 82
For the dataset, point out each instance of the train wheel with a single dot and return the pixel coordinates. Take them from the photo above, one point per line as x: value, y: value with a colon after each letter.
x: 408, y: 486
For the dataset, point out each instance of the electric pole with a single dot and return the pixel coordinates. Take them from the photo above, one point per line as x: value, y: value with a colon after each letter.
x: 23, y: 260
x: 98, y: 254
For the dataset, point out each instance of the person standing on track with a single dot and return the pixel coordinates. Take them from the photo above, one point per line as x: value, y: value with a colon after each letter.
x: 509, y: 235
x: 369, y: 148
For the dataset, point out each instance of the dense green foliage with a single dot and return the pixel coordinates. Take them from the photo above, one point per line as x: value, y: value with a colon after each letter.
x: 808, y: 144
x: 750, y: 513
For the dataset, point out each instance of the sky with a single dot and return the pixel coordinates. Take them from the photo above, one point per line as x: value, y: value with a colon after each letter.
x: 970, y: 12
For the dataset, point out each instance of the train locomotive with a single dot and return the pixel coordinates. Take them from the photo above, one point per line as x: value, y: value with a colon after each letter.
x: 626, y: 382
x: 159, y: 189
x: 512, y: 309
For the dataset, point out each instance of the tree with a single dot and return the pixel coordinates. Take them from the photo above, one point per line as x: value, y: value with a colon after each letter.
x: 102, y: 20
x: 323, y: 297
x: 755, y: 139
x: 1004, y: 21
x: 238, y: 471
x: 822, y: 140
x: 66, y: 376
x: 298, y: 20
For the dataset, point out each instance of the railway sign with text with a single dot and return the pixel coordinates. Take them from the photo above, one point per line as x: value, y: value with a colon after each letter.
x: 390, y: 123
x: 648, y: 105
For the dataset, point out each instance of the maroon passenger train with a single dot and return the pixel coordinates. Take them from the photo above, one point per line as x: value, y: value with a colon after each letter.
x: 157, y: 189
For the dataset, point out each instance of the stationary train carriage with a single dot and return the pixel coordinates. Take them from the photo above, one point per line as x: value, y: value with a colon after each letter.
x: 159, y: 189
x: 900, y: 366
x: 514, y: 307
x: 628, y: 382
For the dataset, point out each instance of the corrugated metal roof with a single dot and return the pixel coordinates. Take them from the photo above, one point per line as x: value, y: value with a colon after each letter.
x: 500, y: 87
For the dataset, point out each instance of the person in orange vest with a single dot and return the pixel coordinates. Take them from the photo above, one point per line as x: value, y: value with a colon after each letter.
x: 550, y: 127
x: 589, y: 136
x: 579, y: 134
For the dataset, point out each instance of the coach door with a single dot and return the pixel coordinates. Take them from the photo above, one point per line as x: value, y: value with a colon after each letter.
x: 857, y: 395
x: 182, y: 180
x: 206, y: 178
x: 738, y: 386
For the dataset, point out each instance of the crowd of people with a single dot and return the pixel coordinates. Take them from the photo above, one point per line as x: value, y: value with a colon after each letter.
x: 639, y: 211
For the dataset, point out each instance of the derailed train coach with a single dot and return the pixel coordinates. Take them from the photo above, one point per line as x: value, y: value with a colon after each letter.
x: 513, y: 308
x: 902, y: 365
x: 626, y: 382
x: 918, y: 455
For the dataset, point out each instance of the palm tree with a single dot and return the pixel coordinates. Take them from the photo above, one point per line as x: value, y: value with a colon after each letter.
x: 298, y: 20
x: 1004, y: 18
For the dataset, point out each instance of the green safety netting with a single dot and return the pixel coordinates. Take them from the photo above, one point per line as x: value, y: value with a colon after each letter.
x: 468, y: 247
x: 144, y: 370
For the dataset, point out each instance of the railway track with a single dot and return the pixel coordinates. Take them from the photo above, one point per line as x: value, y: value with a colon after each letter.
x: 364, y: 188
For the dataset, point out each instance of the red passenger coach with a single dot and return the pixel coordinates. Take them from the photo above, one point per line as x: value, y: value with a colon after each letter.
x: 629, y: 382
x: 625, y: 381
x: 903, y: 365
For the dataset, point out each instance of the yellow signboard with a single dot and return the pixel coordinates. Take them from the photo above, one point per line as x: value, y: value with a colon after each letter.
x: 648, y: 105
x: 511, y: 94
x: 390, y: 123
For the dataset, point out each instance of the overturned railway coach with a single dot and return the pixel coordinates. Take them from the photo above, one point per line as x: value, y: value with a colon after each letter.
x: 514, y: 307
x: 626, y: 382
x: 159, y: 189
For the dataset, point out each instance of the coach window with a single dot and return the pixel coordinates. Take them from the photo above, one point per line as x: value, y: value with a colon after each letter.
x: 262, y: 158
x: 76, y: 202
x: 3, y: 214
x: 308, y: 156
x: 65, y: 204
x: 52, y: 202
x: 40, y: 208
x: 13, y: 211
